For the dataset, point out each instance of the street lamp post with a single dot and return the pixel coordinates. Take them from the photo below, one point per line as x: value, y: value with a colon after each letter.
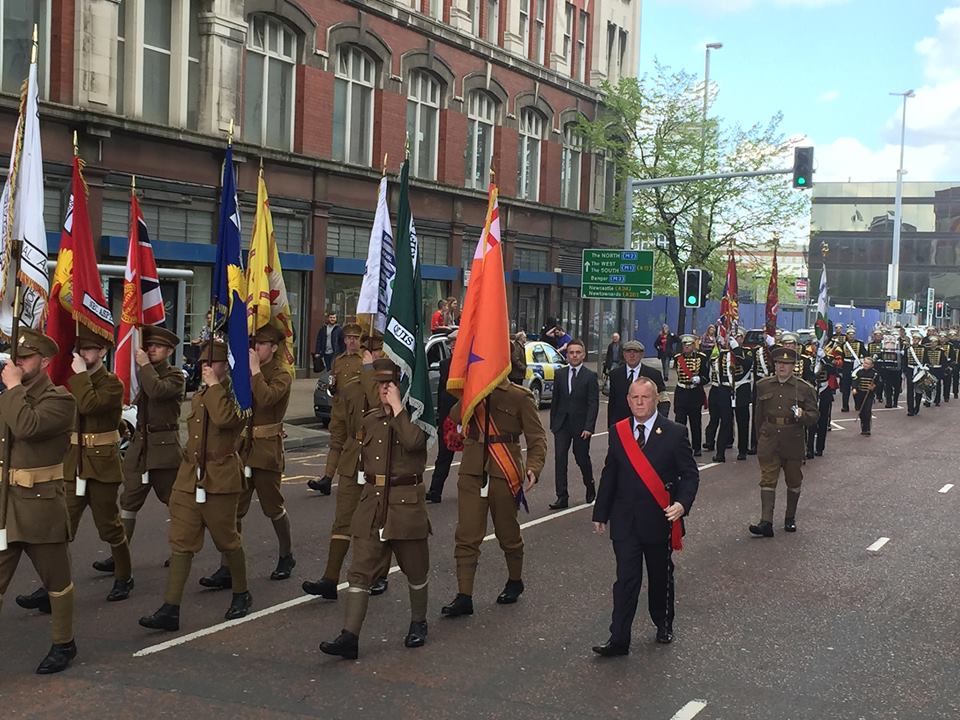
x: 893, y: 279
x: 703, y: 147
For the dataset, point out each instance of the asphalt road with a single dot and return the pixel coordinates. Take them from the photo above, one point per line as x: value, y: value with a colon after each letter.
x: 811, y: 625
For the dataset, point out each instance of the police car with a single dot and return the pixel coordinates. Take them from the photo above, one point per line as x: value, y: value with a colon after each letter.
x: 543, y: 361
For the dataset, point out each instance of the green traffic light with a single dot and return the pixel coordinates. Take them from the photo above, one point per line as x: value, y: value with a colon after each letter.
x: 801, y: 180
x: 691, y: 300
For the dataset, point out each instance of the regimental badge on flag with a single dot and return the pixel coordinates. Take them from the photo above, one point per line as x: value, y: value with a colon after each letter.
x: 228, y: 293
x: 267, y: 302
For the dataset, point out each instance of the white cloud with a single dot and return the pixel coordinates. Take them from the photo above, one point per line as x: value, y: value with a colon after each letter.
x: 727, y: 7
x: 848, y: 159
x: 829, y: 96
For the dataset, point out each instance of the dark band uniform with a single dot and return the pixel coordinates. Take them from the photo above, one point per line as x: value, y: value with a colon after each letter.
x: 912, y: 360
x: 827, y: 369
x: 38, y: 420
x: 155, y: 452
x: 222, y: 484
x: 391, y: 517
x: 866, y: 384
x: 936, y: 358
x: 692, y: 375
x: 726, y: 365
x: 781, y: 441
x: 761, y: 361
x: 852, y: 348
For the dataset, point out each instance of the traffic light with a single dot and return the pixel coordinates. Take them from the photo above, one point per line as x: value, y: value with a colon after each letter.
x: 696, y: 287
x: 803, y: 167
x: 938, y: 309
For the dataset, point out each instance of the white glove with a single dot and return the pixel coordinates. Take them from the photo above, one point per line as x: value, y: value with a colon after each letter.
x: 696, y: 380
x: 797, y: 412
x: 770, y: 340
x: 734, y: 344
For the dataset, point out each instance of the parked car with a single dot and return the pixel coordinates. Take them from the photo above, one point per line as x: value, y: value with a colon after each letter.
x: 543, y: 361
x: 437, y: 348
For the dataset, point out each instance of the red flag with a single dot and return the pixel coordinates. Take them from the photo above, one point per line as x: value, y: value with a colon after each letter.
x: 77, y: 293
x: 481, y: 358
x: 142, y: 301
x: 773, y: 298
x: 729, y: 304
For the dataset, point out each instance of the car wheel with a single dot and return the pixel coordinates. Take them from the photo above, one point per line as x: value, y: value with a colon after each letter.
x: 537, y: 394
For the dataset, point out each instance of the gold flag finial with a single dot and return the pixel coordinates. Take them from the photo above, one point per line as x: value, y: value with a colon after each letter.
x: 76, y: 147
x: 385, y: 156
x: 36, y: 45
x: 230, y: 133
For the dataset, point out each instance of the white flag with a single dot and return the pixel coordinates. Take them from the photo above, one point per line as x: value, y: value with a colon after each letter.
x: 378, y: 275
x: 25, y: 182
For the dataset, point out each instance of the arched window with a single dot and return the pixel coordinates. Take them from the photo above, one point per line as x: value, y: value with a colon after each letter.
x: 353, y: 106
x: 481, y: 117
x: 268, y: 82
x: 423, y: 120
x: 570, y: 167
x: 528, y: 154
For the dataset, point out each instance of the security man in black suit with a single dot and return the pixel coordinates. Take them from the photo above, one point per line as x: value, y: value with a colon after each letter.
x: 445, y: 401
x: 642, y: 527
x: 624, y: 375
x: 573, y: 418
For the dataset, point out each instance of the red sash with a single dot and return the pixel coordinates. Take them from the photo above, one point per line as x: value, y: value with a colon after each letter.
x: 643, y: 468
x: 681, y: 361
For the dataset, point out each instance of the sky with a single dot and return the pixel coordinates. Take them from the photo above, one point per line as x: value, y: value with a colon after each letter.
x: 829, y: 66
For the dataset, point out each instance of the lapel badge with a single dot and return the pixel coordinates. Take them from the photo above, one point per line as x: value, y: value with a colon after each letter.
x: 658, y: 431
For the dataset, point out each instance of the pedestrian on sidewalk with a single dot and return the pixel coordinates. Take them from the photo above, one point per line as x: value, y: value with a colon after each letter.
x: 665, y: 343
x: 329, y: 345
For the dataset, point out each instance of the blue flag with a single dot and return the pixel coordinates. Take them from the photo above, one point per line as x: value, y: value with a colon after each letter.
x: 229, y: 292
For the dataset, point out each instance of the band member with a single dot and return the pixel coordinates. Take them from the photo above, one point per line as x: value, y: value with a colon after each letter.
x: 761, y: 360
x: 785, y: 406
x: 723, y: 377
x: 36, y: 418
x: 864, y: 392
x: 688, y: 401
x: 827, y: 371
x: 743, y: 397
x: 913, y: 370
x: 391, y: 516
x: 935, y: 359
x: 853, y: 351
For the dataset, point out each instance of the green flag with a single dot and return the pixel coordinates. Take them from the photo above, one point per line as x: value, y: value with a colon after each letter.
x: 403, y: 339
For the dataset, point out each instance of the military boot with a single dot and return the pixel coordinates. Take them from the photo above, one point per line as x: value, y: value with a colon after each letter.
x: 379, y: 587
x: 285, y: 566
x: 239, y: 606
x: 121, y: 590
x: 324, y: 485
x: 37, y: 600
x: 166, y: 618
x: 324, y: 587
x: 511, y: 592
x: 220, y: 580
x: 58, y: 658
x: 790, y: 516
x: 416, y: 635
x: 347, y: 646
x: 461, y: 605
x: 764, y: 528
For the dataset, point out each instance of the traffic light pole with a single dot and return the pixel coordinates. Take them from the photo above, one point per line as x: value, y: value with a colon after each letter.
x: 654, y: 182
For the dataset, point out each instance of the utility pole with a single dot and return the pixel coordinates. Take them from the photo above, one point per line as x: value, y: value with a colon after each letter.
x: 893, y: 278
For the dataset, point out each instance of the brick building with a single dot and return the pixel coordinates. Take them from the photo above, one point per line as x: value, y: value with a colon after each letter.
x: 322, y: 91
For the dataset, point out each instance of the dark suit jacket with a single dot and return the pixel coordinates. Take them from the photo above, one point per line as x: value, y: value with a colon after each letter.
x: 336, y: 340
x: 618, y: 408
x: 445, y: 400
x: 577, y: 410
x: 622, y: 498
x: 614, y: 357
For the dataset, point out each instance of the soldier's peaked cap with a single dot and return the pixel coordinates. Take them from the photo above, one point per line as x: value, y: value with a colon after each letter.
x: 87, y: 338
x: 216, y: 353
x: 353, y: 329
x: 159, y: 336
x: 270, y: 334
x: 385, y: 370
x: 687, y: 339
x: 34, y: 342
x: 785, y: 355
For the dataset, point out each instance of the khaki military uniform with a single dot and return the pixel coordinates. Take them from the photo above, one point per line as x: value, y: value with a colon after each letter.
x: 781, y: 438
x: 38, y: 421
x: 155, y: 452
x: 94, y: 455
x: 514, y: 412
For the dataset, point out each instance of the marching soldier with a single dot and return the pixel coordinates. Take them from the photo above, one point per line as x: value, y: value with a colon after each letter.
x: 912, y: 364
x: 866, y: 384
x: 935, y: 358
x: 949, y: 363
x: 853, y: 350
x: 723, y: 375
x: 692, y: 376
x: 743, y: 396
x: 391, y: 516
x: 785, y: 406
x: 345, y: 371
x: 803, y: 368
x: 491, y: 480
x: 36, y: 418
x: 875, y: 351
x: 92, y: 474
x: 356, y: 393
x: 154, y: 454
x: 826, y: 370
x: 262, y: 452
x: 207, y: 491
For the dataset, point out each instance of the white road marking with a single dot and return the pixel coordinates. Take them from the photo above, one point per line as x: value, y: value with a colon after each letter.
x: 690, y: 710
x: 835, y: 426
x: 878, y: 544
x: 851, y: 419
x: 707, y: 466
x: 946, y: 488
x: 204, y: 632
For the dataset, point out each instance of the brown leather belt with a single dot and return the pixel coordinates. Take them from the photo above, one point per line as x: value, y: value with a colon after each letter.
x: 162, y: 428
x: 395, y: 481
x: 264, y: 431
x: 95, y: 439
x: 782, y: 421
x: 28, y: 477
x: 502, y: 438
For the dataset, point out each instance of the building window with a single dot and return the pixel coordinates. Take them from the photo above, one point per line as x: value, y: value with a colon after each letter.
x: 193, y: 66
x: 540, y: 32
x: 473, y: 10
x: 268, y: 82
x: 347, y: 241
x: 121, y: 51
x: 16, y: 32
x: 525, y: 26
x: 530, y: 260
x: 570, y: 167
x: 156, y: 61
x: 569, y: 12
x: 481, y: 116
x: 528, y: 154
x: 423, y: 114
x: 582, y: 46
x: 167, y: 222
x: 434, y: 250
x: 605, y: 186
x: 622, y: 53
x: 433, y: 8
x: 493, y: 21
x: 611, y: 39
x: 353, y: 106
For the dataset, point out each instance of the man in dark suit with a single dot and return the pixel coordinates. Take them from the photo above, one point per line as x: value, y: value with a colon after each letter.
x: 624, y: 375
x: 614, y: 354
x: 642, y: 504
x: 445, y: 401
x: 573, y: 418
x: 329, y: 343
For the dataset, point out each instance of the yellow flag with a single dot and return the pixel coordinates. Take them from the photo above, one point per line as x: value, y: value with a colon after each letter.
x: 267, y: 302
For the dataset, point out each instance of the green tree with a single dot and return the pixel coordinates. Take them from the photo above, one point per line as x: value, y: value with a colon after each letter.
x: 653, y: 128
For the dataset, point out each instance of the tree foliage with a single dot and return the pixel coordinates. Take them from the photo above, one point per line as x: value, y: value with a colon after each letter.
x: 653, y: 128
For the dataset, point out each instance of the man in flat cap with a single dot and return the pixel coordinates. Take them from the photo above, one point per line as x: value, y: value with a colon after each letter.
x: 356, y: 392
x: 785, y: 406
x: 261, y: 452
x: 623, y: 376
x: 36, y: 418
x: 391, y: 516
x: 207, y: 491
x: 91, y: 467
x: 154, y: 454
